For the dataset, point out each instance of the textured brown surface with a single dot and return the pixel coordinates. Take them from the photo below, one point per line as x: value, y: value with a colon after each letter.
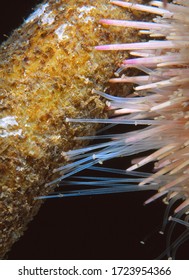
x: 48, y: 68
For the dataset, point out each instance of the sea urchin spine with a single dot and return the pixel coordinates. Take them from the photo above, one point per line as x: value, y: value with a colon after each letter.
x: 160, y: 103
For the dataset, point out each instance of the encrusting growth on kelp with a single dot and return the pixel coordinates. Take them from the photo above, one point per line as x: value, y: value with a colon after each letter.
x: 48, y: 68
x: 159, y: 102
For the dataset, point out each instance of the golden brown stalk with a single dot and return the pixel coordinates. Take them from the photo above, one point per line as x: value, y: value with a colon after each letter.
x: 48, y: 68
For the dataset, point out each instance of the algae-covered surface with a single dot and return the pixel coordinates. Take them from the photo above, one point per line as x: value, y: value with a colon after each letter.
x: 48, y: 68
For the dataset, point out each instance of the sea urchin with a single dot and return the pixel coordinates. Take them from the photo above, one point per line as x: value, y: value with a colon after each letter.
x: 159, y: 103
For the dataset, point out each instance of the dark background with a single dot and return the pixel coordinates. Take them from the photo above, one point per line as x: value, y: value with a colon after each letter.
x: 92, y: 227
